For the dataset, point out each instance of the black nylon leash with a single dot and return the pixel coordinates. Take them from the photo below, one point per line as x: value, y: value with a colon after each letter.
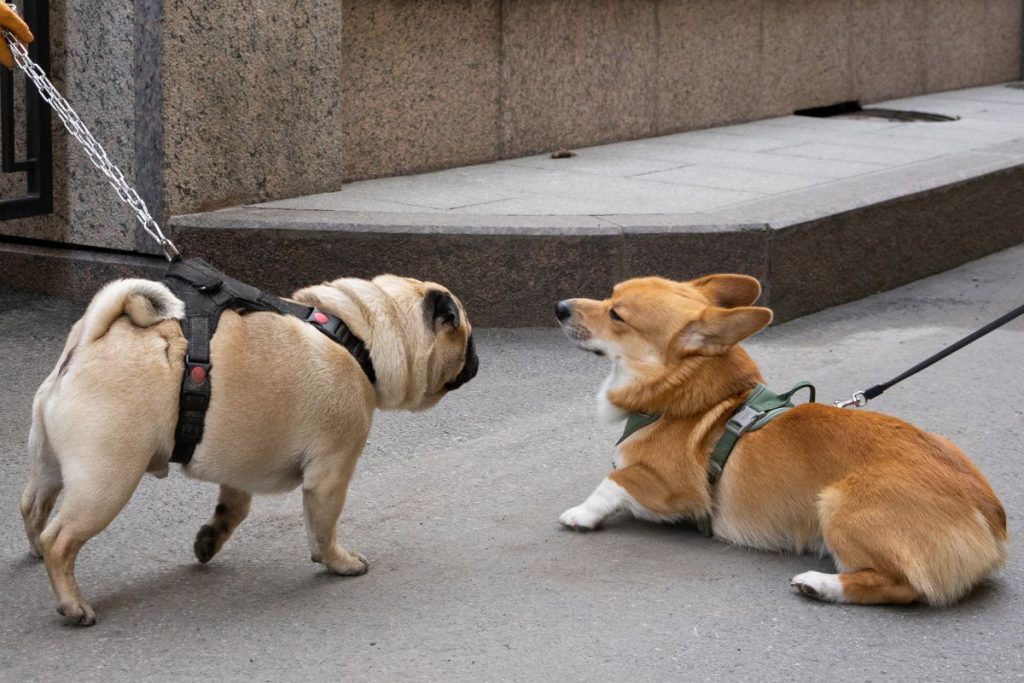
x: 861, y: 398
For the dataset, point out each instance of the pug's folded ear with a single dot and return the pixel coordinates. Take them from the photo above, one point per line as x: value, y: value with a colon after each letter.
x: 440, y: 309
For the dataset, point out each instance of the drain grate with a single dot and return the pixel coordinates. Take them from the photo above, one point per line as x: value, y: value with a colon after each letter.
x: 854, y: 110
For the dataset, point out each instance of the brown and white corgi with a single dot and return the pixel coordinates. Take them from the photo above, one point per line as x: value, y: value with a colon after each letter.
x: 905, y: 515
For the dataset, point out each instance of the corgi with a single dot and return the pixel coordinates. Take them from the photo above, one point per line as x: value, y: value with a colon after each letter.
x: 905, y: 515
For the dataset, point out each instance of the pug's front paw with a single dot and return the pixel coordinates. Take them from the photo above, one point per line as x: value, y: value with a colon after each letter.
x: 77, y: 613
x: 579, y: 518
x: 345, y: 563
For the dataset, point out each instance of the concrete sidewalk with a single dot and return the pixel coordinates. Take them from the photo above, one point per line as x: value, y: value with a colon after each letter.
x: 777, y: 171
x: 471, y: 577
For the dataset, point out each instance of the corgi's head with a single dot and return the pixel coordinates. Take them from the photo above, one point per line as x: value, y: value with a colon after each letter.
x: 653, y: 329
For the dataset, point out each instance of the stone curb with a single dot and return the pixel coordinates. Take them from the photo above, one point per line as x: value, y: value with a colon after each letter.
x: 509, y: 270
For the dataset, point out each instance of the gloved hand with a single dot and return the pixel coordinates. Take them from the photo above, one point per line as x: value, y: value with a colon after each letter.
x: 10, y: 20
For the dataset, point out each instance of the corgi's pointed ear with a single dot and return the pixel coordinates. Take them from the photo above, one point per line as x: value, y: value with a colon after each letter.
x: 729, y: 290
x: 722, y: 328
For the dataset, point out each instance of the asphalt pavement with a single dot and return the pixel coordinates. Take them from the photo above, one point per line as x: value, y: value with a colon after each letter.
x: 471, y: 577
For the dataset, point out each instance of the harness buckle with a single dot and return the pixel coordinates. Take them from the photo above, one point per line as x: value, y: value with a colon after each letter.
x: 324, y: 321
x: 742, y: 421
x: 195, y: 390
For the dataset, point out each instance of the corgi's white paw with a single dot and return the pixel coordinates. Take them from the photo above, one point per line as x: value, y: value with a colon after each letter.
x: 580, y: 518
x: 819, y: 586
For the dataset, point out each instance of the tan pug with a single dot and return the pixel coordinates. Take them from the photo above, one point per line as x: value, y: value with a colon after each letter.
x: 289, y: 407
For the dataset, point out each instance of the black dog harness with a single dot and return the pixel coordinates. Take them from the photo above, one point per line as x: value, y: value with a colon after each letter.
x: 206, y: 293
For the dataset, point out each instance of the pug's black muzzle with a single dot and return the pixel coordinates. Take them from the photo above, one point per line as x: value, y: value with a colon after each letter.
x: 469, y: 368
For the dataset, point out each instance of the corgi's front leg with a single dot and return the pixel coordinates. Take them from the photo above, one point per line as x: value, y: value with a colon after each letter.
x: 644, y: 493
x: 607, y: 499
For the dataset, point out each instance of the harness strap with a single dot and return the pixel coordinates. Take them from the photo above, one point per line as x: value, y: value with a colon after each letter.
x: 207, y: 293
x: 761, y: 407
x: 635, y: 422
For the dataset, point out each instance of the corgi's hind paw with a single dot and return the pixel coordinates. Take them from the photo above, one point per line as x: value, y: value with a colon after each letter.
x: 825, y: 587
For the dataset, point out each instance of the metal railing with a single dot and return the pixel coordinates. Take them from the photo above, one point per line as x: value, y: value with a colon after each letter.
x: 34, y: 123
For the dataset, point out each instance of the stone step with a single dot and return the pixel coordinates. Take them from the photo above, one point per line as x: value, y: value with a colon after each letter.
x: 822, y: 210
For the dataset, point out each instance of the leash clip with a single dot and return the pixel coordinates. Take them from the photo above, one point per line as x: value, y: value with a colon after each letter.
x: 858, y: 400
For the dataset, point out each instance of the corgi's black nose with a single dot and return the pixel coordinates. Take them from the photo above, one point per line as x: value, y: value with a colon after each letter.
x: 563, y: 309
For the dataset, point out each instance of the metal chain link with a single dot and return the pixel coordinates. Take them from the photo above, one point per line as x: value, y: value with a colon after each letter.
x: 97, y: 155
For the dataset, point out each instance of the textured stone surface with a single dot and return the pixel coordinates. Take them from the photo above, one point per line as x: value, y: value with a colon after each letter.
x: 576, y: 72
x: 98, y: 79
x: 854, y: 246
x: 149, y: 120
x: 709, y: 67
x: 894, y: 215
x: 984, y: 36
x: 682, y: 254
x: 420, y: 85
x: 849, y: 255
x: 247, y: 109
x: 806, y: 60
x: 251, y: 101
x: 509, y: 271
x: 93, y: 69
x: 1004, y: 60
x: 888, y: 48
x: 272, y: 100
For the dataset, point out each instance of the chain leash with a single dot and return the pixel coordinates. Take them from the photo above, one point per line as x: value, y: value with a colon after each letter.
x: 97, y: 155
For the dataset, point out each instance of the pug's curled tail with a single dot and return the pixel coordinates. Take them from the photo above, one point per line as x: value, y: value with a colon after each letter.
x: 145, y: 302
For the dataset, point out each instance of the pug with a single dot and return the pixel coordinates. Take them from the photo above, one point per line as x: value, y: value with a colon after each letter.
x: 289, y: 407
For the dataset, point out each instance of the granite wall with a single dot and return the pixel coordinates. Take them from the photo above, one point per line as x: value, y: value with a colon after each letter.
x: 94, y: 71
x: 202, y: 106
x: 251, y: 101
x: 239, y: 101
x: 439, y: 83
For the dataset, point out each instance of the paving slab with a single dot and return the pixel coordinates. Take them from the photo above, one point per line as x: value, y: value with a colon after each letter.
x: 730, y: 178
x: 471, y: 578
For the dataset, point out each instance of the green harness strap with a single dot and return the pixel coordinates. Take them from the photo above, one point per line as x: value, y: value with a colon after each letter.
x: 635, y: 422
x: 761, y: 407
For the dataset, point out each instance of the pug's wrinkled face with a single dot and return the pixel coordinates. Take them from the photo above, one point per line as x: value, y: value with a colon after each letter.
x: 453, y: 357
x: 439, y: 338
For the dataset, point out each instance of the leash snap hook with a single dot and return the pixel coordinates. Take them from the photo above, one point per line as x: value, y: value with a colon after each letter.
x: 171, y: 252
x: 858, y: 400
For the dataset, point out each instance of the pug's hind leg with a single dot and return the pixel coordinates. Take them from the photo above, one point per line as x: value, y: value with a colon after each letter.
x: 323, y: 496
x: 44, y: 485
x: 96, y: 489
x: 232, y: 508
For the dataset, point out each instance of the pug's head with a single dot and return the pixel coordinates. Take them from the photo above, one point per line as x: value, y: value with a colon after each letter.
x: 419, y: 336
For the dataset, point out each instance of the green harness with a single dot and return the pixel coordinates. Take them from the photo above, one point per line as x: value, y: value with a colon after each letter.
x: 761, y: 407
